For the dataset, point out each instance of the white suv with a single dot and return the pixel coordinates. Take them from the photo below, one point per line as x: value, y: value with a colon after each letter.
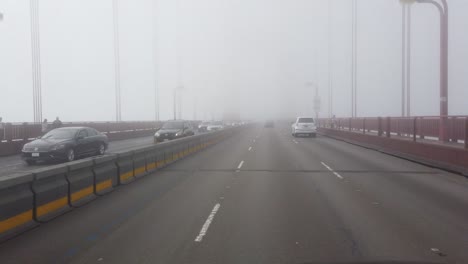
x: 304, y: 126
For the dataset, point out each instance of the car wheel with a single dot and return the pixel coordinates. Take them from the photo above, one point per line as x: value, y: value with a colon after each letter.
x: 70, y: 155
x: 101, y: 149
x: 31, y: 162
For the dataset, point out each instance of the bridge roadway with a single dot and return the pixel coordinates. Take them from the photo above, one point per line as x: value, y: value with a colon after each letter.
x: 263, y: 196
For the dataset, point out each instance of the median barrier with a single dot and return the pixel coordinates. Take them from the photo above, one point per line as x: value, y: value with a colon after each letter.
x: 16, y: 205
x: 139, y: 162
x: 125, y: 167
x: 151, y: 162
x: 80, y: 178
x: 160, y: 156
x: 51, y: 193
x: 105, y: 174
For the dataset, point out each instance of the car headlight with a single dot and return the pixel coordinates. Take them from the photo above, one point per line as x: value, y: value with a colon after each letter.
x: 178, y: 134
x: 58, y: 147
x: 157, y: 134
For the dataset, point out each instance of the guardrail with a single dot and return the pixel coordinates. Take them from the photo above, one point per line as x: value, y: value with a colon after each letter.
x: 26, y: 200
x: 415, y: 127
x: 15, y: 135
x: 414, y: 138
x: 28, y: 131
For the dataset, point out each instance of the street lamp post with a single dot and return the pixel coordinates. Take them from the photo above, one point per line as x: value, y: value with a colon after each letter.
x: 354, y: 60
x: 442, y: 6
x: 330, y: 65
x: 406, y: 59
x: 118, y: 102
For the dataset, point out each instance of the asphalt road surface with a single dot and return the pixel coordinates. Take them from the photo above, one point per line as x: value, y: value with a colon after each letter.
x: 12, y: 164
x: 263, y: 196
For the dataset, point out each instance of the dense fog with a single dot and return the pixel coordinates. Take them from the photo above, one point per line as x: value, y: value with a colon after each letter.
x: 255, y: 59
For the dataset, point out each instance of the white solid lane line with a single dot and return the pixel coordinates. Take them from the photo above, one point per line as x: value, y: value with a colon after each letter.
x: 330, y: 169
x: 240, y: 165
x: 250, y: 149
x: 207, y: 223
x: 296, y: 142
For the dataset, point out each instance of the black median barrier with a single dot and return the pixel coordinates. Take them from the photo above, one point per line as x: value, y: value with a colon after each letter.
x: 139, y: 162
x: 105, y: 174
x: 80, y: 177
x: 16, y: 205
x: 160, y: 156
x: 151, y: 159
x: 125, y: 167
x: 50, y: 188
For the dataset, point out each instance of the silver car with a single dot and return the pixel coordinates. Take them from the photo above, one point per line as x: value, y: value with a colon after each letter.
x: 304, y: 126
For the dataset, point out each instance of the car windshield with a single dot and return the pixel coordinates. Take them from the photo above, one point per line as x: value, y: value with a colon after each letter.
x: 60, y: 134
x: 173, y: 125
x: 305, y: 120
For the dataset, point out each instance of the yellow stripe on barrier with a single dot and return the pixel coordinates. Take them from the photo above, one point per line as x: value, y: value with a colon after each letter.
x: 140, y: 170
x: 82, y: 193
x: 125, y: 176
x: 103, y: 185
x: 15, y: 221
x: 159, y: 164
x: 52, y: 206
x: 152, y: 166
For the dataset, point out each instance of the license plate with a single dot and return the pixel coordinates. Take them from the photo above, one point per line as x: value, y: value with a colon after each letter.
x: 35, y: 155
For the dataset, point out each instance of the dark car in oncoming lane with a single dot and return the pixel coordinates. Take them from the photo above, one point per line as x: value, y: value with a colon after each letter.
x: 174, y: 130
x: 65, y: 144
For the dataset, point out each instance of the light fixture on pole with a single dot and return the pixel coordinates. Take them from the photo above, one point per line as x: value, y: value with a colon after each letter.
x: 442, y: 6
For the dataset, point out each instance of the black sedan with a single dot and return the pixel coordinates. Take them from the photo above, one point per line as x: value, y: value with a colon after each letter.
x: 173, y: 130
x: 65, y: 144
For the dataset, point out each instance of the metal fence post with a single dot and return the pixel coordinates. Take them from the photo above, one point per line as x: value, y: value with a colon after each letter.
x: 349, y: 124
x: 466, y: 133
x: 388, y: 127
x: 452, y: 137
x: 8, y: 131
x: 379, y: 121
x: 25, y: 131
x: 415, y: 128
x: 364, y: 125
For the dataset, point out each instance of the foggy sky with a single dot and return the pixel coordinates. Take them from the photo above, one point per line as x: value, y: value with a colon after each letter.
x: 250, y: 56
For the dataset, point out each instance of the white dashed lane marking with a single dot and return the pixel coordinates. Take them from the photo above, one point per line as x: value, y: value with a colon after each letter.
x: 207, y: 223
x: 330, y: 169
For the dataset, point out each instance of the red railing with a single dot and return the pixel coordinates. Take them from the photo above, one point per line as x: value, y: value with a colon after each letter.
x: 422, y: 127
